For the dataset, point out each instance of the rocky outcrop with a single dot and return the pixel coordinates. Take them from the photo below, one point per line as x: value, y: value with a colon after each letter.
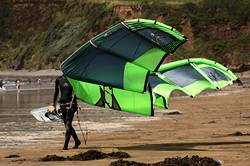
x: 222, y: 31
x: 35, y: 15
x: 187, y: 30
x: 127, y: 12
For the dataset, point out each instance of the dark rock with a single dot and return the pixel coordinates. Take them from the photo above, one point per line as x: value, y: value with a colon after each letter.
x: 12, y: 156
x: 20, y: 161
x: 238, y: 133
x: 53, y: 158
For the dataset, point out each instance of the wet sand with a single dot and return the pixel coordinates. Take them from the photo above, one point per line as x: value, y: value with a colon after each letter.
x: 204, y: 127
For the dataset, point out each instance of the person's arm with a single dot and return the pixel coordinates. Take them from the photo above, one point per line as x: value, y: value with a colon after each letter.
x: 56, y: 92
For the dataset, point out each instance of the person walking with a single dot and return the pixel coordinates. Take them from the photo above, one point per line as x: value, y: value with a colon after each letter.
x: 18, y: 85
x: 1, y: 84
x: 68, y: 106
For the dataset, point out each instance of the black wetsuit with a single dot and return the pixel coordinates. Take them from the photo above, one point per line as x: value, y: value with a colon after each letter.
x: 65, y: 102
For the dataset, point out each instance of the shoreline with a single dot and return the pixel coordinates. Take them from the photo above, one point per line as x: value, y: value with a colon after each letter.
x: 53, y: 72
x: 49, y: 76
x: 40, y: 76
x: 26, y: 73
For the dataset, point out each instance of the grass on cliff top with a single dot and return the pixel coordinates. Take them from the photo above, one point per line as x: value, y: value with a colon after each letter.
x: 169, y: 2
x: 164, y: 1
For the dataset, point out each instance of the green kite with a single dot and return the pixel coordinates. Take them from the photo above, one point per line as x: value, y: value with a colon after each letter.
x: 121, y: 68
x: 190, y: 76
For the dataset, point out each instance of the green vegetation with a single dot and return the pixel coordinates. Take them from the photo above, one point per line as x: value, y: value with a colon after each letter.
x: 217, y: 28
x: 36, y: 37
x: 171, y: 2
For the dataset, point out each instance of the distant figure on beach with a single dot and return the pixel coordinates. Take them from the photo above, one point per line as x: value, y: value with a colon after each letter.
x: 39, y: 82
x: 18, y: 85
x: 68, y: 106
x: 1, y: 84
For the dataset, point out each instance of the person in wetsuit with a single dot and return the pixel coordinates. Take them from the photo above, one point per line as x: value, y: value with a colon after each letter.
x: 1, y: 83
x: 68, y: 106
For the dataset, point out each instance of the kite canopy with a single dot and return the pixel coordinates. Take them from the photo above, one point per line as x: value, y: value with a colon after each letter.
x: 190, y: 76
x: 113, y: 69
x: 123, y: 55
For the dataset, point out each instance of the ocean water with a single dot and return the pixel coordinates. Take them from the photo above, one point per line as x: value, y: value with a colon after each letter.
x: 15, y: 107
x: 16, y: 122
x: 19, y: 128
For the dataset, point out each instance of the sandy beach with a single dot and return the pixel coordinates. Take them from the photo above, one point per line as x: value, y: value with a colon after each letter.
x: 205, y: 126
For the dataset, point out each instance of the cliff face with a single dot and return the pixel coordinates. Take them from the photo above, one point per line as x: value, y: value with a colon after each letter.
x: 38, y: 34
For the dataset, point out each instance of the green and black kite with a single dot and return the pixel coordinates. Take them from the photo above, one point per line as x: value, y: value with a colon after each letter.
x: 121, y: 68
